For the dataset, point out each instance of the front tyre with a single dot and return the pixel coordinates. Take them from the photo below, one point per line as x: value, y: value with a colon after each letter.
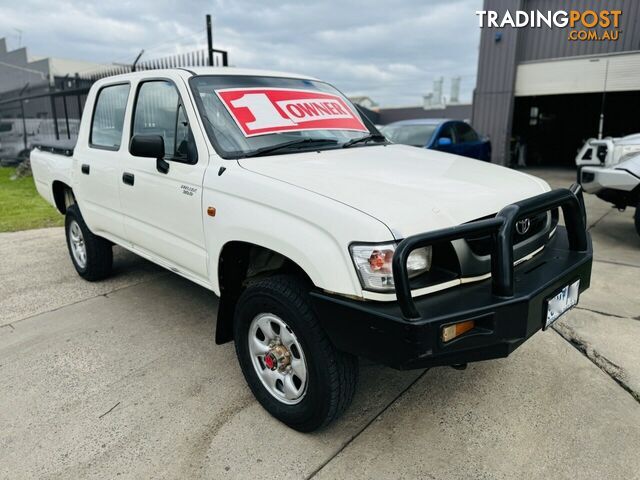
x: 92, y: 256
x: 636, y: 218
x: 292, y: 368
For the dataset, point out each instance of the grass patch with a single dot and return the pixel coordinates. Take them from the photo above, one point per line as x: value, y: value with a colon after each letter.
x: 21, y: 207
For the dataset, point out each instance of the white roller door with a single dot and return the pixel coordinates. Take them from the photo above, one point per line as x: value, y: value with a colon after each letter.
x: 613, y: 73
x: 624, y: 73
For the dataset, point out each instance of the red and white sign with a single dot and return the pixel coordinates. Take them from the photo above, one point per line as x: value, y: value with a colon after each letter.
x: 259, y: 111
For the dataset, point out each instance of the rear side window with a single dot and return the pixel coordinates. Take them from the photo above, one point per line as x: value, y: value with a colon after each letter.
x: 108, y: 117
x: 465, y: 133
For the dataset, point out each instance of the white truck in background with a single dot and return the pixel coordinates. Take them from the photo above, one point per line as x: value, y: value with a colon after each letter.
x: 324, y: 242
x: 16, y: 135
x: 610, y: 169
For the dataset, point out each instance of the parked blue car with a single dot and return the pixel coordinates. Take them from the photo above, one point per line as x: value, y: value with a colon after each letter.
x: 451, y: 136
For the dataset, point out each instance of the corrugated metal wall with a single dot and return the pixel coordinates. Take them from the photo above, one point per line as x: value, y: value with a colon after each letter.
x: 493, y: 96
x: 543, y: 43
x: 498, y: 60
x: 457, y: 112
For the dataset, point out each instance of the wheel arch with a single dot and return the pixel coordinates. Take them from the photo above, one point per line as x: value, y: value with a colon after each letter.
x: 63, y: 195
x: 239, y: 263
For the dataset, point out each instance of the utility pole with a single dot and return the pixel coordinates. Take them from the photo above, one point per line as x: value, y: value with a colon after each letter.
x: 603, y: 102
x: 209, y: 40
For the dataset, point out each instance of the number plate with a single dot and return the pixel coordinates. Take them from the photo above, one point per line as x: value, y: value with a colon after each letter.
x: 566, y: 299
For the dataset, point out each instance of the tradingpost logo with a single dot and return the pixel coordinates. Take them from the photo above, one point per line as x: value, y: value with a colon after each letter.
x: 582, y: 25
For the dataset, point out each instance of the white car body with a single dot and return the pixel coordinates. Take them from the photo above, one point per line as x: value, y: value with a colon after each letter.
x: 608, y: 151
x: 328, y: 245
x: 305, y: 206
x: 12, y: 136
x: 610, y: 168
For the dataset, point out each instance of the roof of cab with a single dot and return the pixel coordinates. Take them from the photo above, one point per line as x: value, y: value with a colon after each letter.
x: 245, y: 72
x: 210, y: 71
x: 422, y: 121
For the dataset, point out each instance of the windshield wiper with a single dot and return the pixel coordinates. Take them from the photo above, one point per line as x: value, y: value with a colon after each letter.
x: 292, y: 143
x: 375, y: 137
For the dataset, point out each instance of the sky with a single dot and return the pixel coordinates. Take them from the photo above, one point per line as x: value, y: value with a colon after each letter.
x: 389, y: 51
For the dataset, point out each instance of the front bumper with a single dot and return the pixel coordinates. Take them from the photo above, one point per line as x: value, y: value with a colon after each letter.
x: 595, y: 179
x: 507, y: 309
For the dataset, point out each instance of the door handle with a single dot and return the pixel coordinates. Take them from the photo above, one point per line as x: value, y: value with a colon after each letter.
x: 85, y: 168
x: 128, y: 178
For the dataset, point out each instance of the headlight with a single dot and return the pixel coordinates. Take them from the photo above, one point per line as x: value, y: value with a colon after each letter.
x: 373, y: 263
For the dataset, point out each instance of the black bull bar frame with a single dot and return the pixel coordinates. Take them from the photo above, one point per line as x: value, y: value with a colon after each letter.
x: 501, y: 229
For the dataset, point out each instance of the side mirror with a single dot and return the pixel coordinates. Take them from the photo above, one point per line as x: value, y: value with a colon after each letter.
x: 150, y: 146
x: 444, y: 141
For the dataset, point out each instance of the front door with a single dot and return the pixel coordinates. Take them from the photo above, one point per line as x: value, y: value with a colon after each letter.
x: 447, y: 132
x: 163, y: 208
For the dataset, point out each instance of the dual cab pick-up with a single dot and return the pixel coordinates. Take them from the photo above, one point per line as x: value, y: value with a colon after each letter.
x: 324, y: 242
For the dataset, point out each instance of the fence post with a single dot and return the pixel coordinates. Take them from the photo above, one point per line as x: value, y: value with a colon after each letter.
x: 24, y: 125
x: 66, y: 116
x: 55, y: 116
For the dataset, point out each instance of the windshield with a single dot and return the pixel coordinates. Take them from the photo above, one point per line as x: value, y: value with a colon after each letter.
x: 415, y: 135
x: 253, y: 115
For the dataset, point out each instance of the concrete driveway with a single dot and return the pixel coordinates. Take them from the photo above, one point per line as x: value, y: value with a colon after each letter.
x: 122, y: 378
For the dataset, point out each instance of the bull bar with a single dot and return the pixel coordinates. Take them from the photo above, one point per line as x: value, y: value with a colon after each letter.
x: 501, y: 229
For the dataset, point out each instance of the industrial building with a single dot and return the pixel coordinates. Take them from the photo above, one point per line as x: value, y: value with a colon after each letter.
x: 542, y: 94
x: 23, y: 73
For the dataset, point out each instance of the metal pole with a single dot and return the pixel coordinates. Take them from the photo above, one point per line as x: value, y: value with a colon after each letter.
x: 225, y: 58
x: 55, y: 116
x: 135, y: 62
x: 24, y: 125
x: 66, y: 116
x: 209, y: 40
x: 603, y: 103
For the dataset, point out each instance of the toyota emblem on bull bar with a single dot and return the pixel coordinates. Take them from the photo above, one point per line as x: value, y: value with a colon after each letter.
x: 523, y: 226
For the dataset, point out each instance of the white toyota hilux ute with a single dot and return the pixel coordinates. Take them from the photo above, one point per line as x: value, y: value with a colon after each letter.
x: 324, y: 242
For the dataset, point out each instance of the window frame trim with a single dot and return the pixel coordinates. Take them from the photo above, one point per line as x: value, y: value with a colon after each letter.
x: 93, y: 116
x: 180, y: 102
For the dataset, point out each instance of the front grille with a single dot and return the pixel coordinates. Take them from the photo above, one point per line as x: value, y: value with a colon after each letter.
x: 481, y: 246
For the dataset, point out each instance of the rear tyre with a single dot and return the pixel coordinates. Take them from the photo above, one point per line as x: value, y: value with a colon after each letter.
x: 92, y: 256
x: 636, y: 219
x: 292, y: 368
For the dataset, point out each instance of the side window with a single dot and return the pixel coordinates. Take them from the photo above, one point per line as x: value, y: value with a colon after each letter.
x: 466, y: 133
x: 447, y: 131
x: 108, y: 117
x: 159, y: 111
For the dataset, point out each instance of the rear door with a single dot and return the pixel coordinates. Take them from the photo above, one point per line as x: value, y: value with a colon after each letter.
x: 97, y: 161
x: 469, y: 143
x: 163, y: 211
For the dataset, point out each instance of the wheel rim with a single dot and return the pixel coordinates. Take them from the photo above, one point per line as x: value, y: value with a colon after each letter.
x: 278, y: 358
x: 78, y: 247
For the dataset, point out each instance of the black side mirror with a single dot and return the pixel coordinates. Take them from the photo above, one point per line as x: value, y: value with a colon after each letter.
x: 150, y: 146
